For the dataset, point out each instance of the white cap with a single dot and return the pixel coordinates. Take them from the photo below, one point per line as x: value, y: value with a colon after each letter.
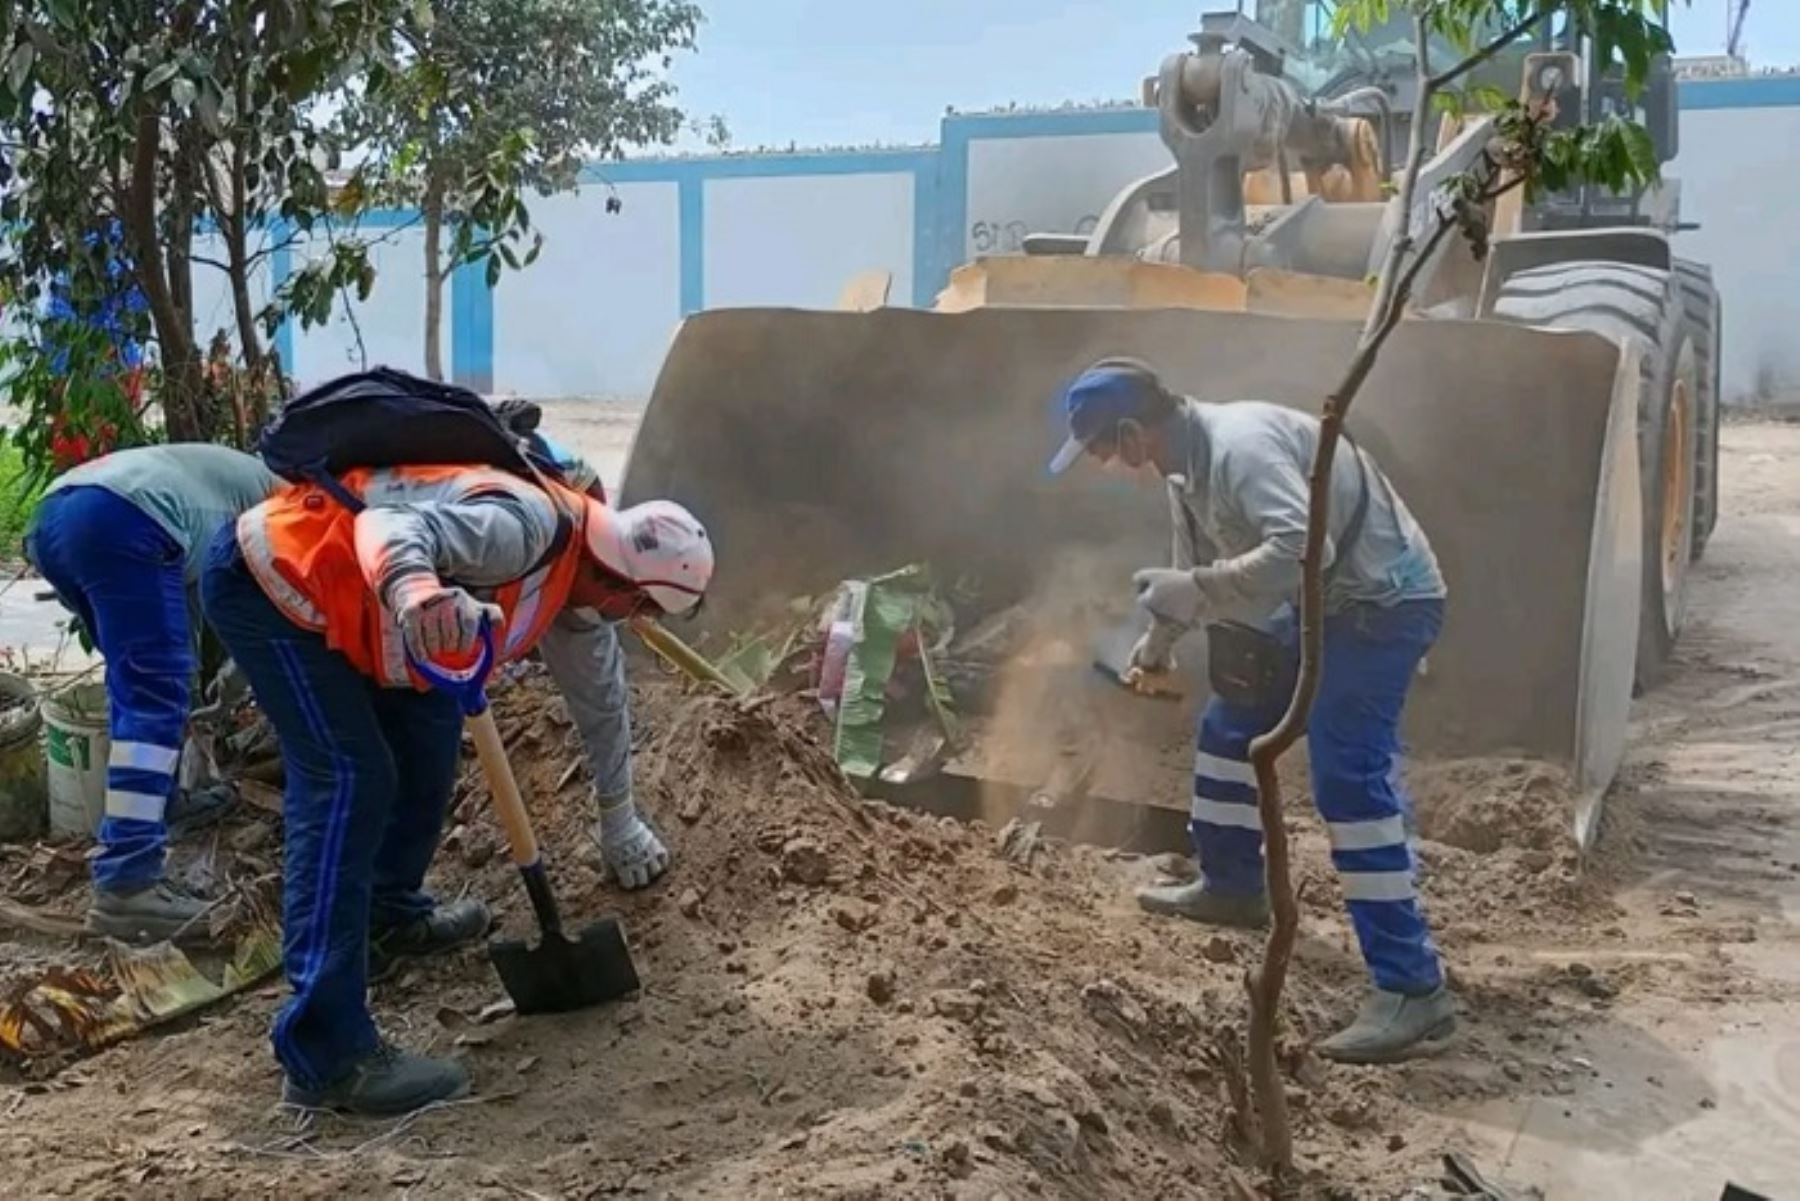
x: 658, y: 546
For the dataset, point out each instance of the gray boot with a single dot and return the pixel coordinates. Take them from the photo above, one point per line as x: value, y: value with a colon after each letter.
x: 151, y: 914
x: 385, y: 1083
x: 1392, y: 1027
x: 1193, y: 902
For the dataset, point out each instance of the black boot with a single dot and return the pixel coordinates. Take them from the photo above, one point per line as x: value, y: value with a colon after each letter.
x: 385, y: 1083
x: 445, y: 928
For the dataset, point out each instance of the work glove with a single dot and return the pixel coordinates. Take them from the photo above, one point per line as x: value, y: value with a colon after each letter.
x: 633, y: 854
x: 1169, y: 595
x: 1154, y: 653
x: 441, y: 624
x: 1152, y: 661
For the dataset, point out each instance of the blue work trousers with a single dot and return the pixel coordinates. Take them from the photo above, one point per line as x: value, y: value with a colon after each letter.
x: 369, y: 776
x: 121, y: 574
x: 1353, y: 742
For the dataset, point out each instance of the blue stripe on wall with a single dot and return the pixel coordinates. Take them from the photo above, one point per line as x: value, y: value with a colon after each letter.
x: 692, y: 201
x: 281, y: 265
x: 924, y: 250
x: 472, y: 327
x: 1761, y: 91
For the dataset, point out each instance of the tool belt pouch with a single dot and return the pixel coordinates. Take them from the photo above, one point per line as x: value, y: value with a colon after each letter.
x: 1247, y: 667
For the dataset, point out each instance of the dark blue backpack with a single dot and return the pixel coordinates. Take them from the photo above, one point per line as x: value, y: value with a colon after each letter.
x: 387, y: 418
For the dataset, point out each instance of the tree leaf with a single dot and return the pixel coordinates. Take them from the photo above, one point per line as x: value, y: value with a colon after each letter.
x: 182, y: 92
x: 160, y: 74
x: 18, y: 68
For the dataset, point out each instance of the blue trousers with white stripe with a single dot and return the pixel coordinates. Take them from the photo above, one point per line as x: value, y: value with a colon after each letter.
x: 1353, y: 741
x: 121, y: 574
x: 369, y: 776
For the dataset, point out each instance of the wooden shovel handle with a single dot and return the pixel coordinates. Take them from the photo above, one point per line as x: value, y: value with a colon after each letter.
x: 680, y: 654
x: 505, y: 789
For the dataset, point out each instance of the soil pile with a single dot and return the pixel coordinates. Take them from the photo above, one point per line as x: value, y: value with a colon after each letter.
x: 842, y: 999
x: 851, y: 1000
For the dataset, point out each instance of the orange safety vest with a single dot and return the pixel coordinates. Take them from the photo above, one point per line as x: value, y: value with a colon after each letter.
x: 300, y: 545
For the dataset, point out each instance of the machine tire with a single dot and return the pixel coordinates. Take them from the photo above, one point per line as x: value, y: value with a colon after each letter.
x: 1626, y: 301
x: 1706, y: 323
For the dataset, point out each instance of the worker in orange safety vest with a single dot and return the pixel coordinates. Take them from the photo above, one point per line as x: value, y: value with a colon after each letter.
x: 321, y: 607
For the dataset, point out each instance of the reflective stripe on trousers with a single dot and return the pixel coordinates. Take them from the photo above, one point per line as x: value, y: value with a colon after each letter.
x: 123, y: 576
x: 1352, y: 740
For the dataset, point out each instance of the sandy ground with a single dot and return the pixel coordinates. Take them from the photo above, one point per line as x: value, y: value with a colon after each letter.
x: 1685, y: 1090
x: 847, y: 1001
x: 599, y: 430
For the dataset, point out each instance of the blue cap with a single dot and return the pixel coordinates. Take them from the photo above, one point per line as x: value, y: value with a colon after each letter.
x: 1097, y: 400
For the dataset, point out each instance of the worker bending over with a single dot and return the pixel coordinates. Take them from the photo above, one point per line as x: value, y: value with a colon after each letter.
x: 322, y: 607
x: 121, y: 539
x: 1237, y: 480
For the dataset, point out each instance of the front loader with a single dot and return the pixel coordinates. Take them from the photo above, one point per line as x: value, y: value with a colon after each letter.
x: 1550, y: 413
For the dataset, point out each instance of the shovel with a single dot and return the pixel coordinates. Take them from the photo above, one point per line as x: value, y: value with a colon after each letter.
x: 559, y: 974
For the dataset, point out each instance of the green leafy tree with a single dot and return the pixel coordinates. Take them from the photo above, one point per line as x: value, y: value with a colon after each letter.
x: 492, y: 99
x: 1525, y: 151
x: 146, y: 116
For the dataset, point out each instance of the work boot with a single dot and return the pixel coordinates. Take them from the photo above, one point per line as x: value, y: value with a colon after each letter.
x: 386, y: 1082
x: 445, y: 928
x: 150, y: 913
x: 1392, y: 1026
x: 1195, y: 903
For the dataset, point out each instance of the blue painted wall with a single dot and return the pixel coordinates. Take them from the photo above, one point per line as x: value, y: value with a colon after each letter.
x: 940, y: 202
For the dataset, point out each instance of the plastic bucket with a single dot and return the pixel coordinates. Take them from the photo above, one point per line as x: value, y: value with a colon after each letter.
x: 76, y: 745
x: 23, y: 801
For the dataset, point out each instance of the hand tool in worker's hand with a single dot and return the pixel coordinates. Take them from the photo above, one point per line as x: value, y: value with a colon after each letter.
x: 559, y: 974
x: 1112, y: 659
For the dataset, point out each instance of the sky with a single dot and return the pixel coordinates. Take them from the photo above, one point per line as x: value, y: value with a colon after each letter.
x: 862, y: 72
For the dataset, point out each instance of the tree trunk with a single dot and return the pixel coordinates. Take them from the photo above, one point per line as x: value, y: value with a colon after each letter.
x: 181, y: 385
x: 1265, y: 982
x: 432, y: 209
x: 235, y: 228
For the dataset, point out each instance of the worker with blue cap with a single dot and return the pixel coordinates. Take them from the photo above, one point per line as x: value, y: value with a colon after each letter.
x: 1237, y: 483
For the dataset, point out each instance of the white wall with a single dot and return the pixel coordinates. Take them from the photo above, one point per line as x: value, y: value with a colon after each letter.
x: 796, y: 240
x: 1049, y: 184
x: 1738, y: 168
x: 391, y: 320
x: 593, y: 315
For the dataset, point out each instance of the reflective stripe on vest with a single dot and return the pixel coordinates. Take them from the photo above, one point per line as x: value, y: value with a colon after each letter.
x: 259, y: 557
x: 300, y: 546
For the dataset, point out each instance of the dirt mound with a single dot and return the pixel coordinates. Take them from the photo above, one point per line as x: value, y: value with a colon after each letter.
x: 848, y: 999
x: 842, y: 999
x: 1482, y: 805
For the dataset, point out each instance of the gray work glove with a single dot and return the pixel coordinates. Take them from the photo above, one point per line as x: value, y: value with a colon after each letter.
x: 1169, y: 595
x: 633, y: 854
x: 439, y: 622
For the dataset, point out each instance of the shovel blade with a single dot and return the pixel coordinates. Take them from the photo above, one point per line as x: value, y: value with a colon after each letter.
x: 560, y: 974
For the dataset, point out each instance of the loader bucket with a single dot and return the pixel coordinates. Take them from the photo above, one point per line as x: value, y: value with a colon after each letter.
x: 818, y: 446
